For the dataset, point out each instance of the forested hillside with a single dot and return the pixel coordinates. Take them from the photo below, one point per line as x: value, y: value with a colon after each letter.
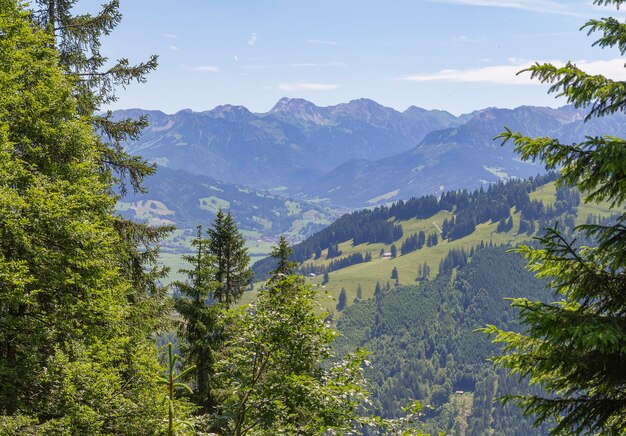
x: 186, y: 200
x: 421, y: 235
x: 422, y: 344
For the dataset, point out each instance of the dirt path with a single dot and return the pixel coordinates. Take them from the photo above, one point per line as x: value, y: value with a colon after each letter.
x: 438, y: 228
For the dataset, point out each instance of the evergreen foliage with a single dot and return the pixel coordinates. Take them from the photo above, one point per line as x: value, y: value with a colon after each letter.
x: 423, y: 345
x: 227, y: 247
x: 78, y: 41
x: 574, y: 347
x: 343, y: 299
x: 280, y: 255
x: 199, y: 331
x: 77, y: 306
x: 469, y: 208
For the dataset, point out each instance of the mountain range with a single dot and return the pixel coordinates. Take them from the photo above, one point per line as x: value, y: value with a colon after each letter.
x: 354, y: 154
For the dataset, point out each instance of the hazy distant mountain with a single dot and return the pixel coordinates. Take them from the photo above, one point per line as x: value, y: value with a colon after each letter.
x: 358, y: 153
x: 464, y: 156
x: 293, y: 144
x: 187, y: 200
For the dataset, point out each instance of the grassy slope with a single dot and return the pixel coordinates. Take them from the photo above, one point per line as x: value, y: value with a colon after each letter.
x: 368, y: 273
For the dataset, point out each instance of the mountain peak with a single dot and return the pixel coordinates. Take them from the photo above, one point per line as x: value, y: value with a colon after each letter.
x: 301, y: 109
x: 231, y: 113
x: 287, y: 104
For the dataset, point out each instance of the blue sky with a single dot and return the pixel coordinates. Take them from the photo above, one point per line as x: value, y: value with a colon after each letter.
x: 457, y: 55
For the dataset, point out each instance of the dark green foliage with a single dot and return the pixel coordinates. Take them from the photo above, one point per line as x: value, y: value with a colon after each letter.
x: 506, y: 225
x: 574, y: 347
x: 423, y: 343
x: 432, y: 240
x: 79, y: 301
x: 394, y: 251
x: 325, y: 279
x: 199, y: 330
x: 333, y: 251
x: 343, y: 299
x: 469, y: 209
x: 457, y: 257
x: 230, y: 257
x: 281, y: 254
x: 394, y: 273
x: 413, y: 242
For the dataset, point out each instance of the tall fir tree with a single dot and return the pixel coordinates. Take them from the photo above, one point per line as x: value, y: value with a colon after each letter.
x: 75, y: 353
x: 281, y: 253
x: 575, y: 347
x: 77, y: 38
x: 200, y: 327
x: 343, y: 300
x: 227, y: 246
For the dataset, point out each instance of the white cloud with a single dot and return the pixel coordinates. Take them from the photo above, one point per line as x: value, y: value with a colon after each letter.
x: 544, y: 6
x: 252, y: 40
x: 236, y: 58
x: 507, y: 74
x: 315, y: 64
x: 170, y: 36
x: 321, y: 41
x: 464, y: 39
x: 307, y: 86
x: 204, y: 69
x: 173, y: 47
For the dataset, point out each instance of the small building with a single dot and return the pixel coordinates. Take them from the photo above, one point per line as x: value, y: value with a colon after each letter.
x: 386, y: 256
x: 311, y: 275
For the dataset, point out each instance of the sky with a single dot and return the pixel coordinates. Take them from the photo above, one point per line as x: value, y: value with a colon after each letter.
x: 455, y: 55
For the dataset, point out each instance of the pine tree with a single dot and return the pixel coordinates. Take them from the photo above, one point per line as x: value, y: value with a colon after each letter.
x: 281, y: 253
x: 574, y: 348
x: 394, y: 273
x: 231, y: 258
x: 75, y: 353
x: 343, y: 299
x: 78, y: 41
x: 394, y: 251
x: 199, y: 330
x: 426, y: 272
x: 359, y: 292
x: 326, y: 279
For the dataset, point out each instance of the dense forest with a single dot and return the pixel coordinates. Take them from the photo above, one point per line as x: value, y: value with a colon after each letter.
x: 423, y: 344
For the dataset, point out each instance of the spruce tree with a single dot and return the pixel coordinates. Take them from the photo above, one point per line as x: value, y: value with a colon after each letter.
x: 199, y: 329
x: 343, y: 299
x: 75, y: 353
x: 575, y: 347
x: 281, y: 253
x: 77, y: 39
x: 231, y: 258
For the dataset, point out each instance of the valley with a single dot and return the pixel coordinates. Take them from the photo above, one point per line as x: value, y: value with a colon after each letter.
x: 393, y: 244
